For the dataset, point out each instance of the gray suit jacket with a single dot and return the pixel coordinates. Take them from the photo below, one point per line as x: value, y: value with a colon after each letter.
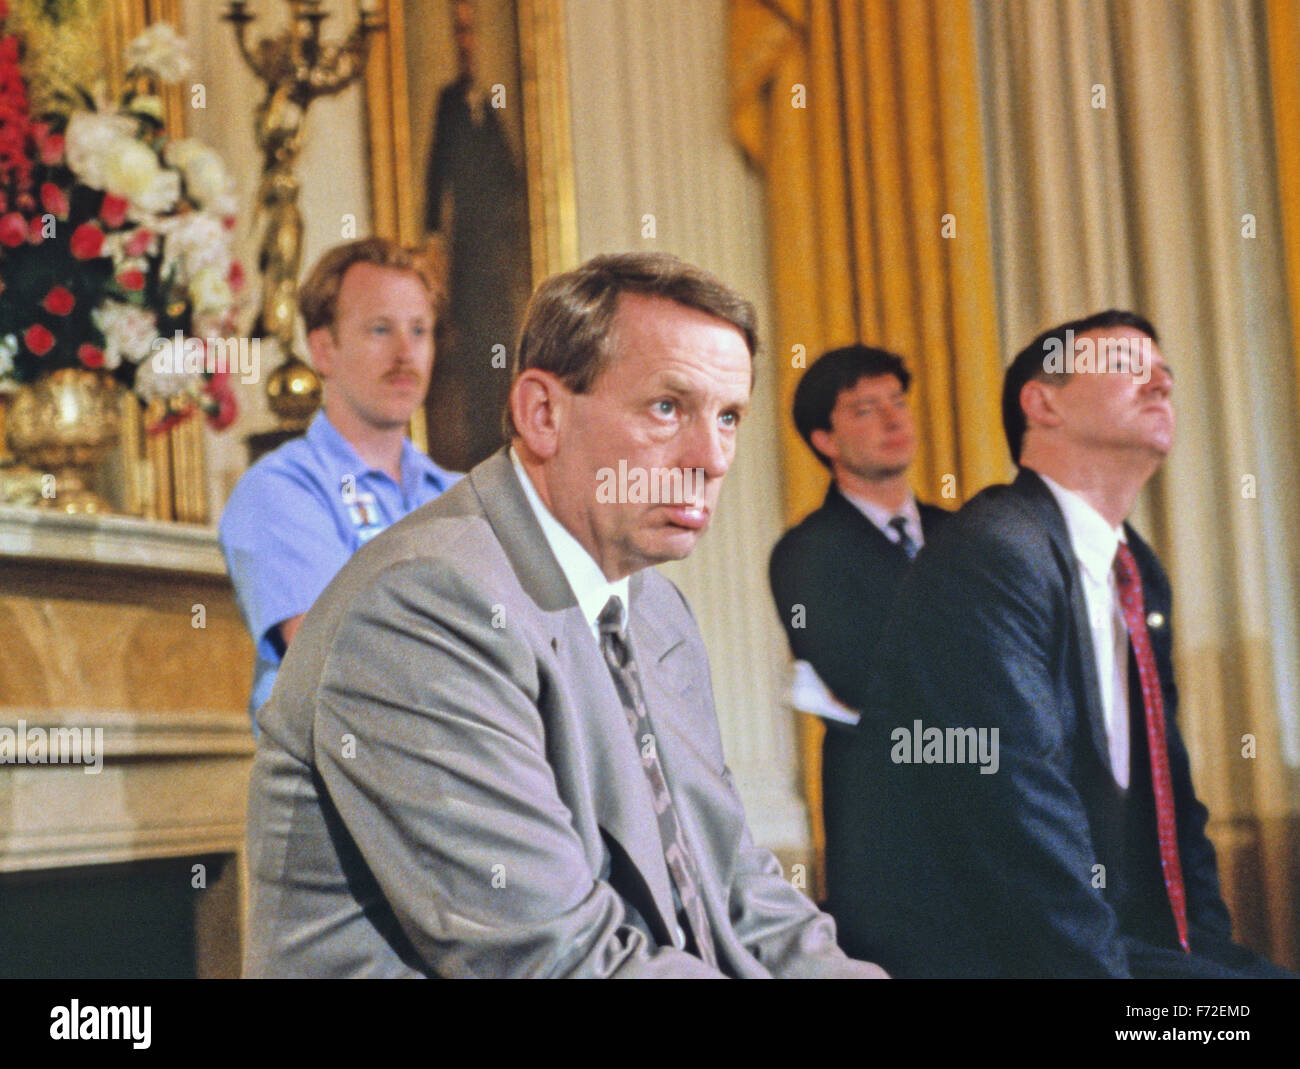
x: 446, y: 785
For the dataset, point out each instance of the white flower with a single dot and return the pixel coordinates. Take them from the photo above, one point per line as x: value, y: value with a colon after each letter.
x: 160, y: 50
x: 135, y: 173
x: 115, y: 245
x: 193, y: 243
x: 210, y: 292
x: 8, y: 349
x: 163, y: 374
x: 129, y: 331
x: 206, y: 180
x: 93, y: 140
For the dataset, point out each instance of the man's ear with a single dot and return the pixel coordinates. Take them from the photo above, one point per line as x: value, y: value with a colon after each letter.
x: 539, y: 405
x: 823, y: 443
x: 320, y: 346
x: 1038, y: 402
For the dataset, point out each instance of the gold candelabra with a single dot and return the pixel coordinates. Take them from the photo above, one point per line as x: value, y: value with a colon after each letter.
x: 296, y: 67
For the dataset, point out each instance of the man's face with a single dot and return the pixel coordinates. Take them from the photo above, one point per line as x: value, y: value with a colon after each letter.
x: 871, y: 434
x: 1117, y: 411
x: 667, y: 407
x: 377, y: 358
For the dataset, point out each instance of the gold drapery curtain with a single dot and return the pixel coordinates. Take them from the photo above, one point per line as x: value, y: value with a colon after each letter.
x: 1284, y: 76
x: 864, y: 116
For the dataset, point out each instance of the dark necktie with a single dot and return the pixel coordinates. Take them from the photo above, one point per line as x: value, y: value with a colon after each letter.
x: 681, y: 865
x: 899, y: 524
x: 1130, y: 598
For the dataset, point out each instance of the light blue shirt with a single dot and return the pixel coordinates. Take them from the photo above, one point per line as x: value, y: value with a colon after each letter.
x: 296, y: 517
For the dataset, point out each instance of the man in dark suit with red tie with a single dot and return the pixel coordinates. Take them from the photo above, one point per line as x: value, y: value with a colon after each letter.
x: 1037, y: 624
x: 834, y: 575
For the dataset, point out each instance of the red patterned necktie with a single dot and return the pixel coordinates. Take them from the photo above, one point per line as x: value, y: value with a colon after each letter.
x: 1130, y: 599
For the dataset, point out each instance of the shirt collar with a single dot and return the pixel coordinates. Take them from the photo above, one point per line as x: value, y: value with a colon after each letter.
x: 881, y: 516
x: 1095, y: 541
x: 586, y: 580
x: 415, y: 466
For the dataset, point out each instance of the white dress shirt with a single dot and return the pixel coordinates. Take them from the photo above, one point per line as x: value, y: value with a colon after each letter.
x: 881, y: 516
x: 592, y: 590
x: 1095, y: 543
x: 586, y: 580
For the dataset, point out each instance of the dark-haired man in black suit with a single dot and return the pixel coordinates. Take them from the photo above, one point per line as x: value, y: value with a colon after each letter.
x: 834, y: 575
x: 1038, y: 625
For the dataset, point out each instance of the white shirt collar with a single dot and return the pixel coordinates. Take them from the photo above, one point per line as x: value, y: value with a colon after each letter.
x: 586, y: 580
x: 881, y: 516
x: 1094, y: 540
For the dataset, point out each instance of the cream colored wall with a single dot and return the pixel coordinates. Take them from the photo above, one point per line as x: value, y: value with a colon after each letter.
x: 650, y: 136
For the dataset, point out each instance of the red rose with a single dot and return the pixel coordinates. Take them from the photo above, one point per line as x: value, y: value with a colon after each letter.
x: 54, y: 200
x: 138, y: 242
x: 113, y: 210
x: 222, y: 406
x: 87, y: 241
x: 89, y: 355
x: 52, y: 149
x: 35, y: 230
x: 13, y: 230
x: 132, y: 279
x: 58, y: 302
x: 39, y: 340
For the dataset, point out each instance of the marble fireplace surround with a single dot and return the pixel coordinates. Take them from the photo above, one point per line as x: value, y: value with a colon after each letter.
x: 130, y: 627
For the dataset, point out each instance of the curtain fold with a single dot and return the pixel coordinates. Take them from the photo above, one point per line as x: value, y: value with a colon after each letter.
x: 1284, y: 75
x: 864, y: 116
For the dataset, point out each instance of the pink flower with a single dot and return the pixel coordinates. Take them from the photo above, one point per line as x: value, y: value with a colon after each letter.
x: 139, y: 242
x: 90, y: 355
x: 223, y: 406
x: 113, y: 210
x: 131, y: 279
x: 39, y: 340
x: 87, y: 241
x: 52, y: 149
x: 54, y: 200
x: 59, y: 301
x: 13, y: 230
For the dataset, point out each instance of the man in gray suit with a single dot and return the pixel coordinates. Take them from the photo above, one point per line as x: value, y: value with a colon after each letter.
x: 492, y: 749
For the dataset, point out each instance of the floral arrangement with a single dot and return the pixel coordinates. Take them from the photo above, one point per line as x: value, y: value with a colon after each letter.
x: 114, y: 237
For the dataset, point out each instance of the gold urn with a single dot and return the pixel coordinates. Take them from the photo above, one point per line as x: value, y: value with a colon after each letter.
x: 294, y: 393
x: 64, y: 425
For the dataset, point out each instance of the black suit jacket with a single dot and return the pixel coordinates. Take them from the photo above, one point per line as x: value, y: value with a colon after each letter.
x: 1045, y: 867
x: 844, y: 572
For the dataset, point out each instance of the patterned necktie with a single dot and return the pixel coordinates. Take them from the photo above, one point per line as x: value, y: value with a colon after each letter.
x: 681, y: 865
x: 1130, y: 598
x: 899, y: 524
